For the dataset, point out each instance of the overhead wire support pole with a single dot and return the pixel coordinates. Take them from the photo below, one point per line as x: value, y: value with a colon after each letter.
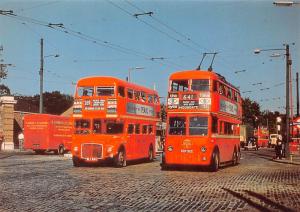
x: 41, y: 76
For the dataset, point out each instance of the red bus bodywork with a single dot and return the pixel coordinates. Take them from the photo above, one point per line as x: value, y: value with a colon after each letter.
x: 262, y: 135
x: 115, y: 117
x: 44, y: 132
x: 203, y: 117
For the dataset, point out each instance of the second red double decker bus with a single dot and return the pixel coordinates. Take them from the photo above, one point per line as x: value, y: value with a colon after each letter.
x: 203, y: 117
x: 113, y: 120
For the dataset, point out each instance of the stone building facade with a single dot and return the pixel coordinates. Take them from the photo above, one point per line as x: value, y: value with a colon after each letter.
x: 7, y: 122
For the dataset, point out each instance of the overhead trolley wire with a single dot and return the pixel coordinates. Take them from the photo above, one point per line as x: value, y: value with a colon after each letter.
x: 89, y: 38
x: 153, y: 27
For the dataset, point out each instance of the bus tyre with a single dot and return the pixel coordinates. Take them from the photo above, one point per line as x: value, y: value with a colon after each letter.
x: 239, y: 156
x: 76, y: 162
x: 215, y: 161
x: 150, y: 154
x: 234, y: 158
x: 61, y: 150
x: 120, y: 160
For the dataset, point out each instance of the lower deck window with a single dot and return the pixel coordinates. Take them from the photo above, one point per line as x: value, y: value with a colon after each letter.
x: 198, y: 125
x: 82, y: 126
x: 114, y: 128
x: 177, y: 126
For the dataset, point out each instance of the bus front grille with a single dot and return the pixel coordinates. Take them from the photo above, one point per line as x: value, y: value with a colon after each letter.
x: 91, y: 151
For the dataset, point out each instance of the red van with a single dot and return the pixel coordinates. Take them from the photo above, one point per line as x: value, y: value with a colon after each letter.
x: 44, y: 132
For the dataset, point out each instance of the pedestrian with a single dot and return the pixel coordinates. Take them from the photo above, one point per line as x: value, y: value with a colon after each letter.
x: 21, y: 141
x: 1, y: 139
x: 278, y: 147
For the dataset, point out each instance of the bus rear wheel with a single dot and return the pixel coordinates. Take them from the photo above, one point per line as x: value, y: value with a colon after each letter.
x: 215, y: 161
x: 61, y: 150
x: 234, y: 158
x: 120, y: 160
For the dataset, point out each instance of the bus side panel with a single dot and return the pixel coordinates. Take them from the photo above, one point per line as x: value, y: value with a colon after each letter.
x: 226, y: 148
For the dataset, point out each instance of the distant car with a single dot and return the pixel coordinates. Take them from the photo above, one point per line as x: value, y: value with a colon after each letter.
x: 251, y: 144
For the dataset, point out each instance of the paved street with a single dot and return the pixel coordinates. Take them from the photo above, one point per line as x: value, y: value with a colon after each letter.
x: 51, y: 183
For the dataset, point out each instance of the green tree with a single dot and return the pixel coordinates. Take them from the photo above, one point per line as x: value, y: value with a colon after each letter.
x: 251, y: 112
x: 54, y: 103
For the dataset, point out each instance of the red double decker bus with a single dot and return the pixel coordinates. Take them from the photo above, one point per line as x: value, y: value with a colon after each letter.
x: 203, y: 117
x: 113, y: 120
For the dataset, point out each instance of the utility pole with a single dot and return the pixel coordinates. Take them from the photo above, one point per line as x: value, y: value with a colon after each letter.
x: 41, y: 76
x: 297, y: 92
x: 288, y: 65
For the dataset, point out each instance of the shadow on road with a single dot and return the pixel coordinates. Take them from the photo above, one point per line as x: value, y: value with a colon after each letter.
x: 268, y: 201
x: 247, y: 200
x: 259, y: 197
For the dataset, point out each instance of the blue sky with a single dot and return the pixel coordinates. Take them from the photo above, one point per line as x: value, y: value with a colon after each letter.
x: 179, y: 31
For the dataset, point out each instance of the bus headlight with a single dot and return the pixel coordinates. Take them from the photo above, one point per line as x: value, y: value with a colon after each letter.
x: 170, y: 148
x: 75, y: 149
x: 203, y: 149
x: 109, y: 149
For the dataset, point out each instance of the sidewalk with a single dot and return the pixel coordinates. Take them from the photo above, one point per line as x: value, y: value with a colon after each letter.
x: 294, y: 159
x: 9, y: 153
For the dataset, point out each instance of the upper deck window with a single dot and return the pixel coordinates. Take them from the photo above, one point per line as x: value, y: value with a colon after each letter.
x: 130, y: 94
x: 198, y: 125
x: 85, y: 91
x: 150, y: 99
x: 105, y: 91
x: 200, y: 85
x: 121, y: 91
x: 179, y: 85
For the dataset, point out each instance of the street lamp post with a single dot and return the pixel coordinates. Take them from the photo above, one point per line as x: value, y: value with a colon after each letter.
x: 288, y: 81
x: 41, y: 73
x: 131, y: 69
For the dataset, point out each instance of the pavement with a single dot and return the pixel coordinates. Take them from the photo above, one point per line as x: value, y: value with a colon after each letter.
x: 293, y: 159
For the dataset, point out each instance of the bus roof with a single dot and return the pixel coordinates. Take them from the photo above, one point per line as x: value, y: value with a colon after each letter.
x: 108, y: 80
x: 196, y: 74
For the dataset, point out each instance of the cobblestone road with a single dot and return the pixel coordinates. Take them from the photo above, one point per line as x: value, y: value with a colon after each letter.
x: 51, y: 183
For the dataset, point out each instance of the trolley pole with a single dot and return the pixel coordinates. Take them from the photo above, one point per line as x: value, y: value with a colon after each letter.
x: 41, y: 77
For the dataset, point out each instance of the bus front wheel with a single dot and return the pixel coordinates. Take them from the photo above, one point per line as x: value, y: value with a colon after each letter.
x: 120, y: 160
x: 77, y: 162
x: 215, y: 161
